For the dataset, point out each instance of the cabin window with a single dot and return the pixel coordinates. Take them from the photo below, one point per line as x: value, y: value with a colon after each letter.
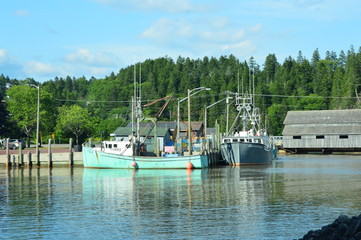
x: 296, y: 137
x: 320, y: 137
x: 343, y: 136
x: 115, y: 146
x: 241, y: 140
x: 234, y: 140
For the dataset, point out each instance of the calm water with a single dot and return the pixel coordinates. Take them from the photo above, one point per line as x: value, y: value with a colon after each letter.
x: 282, y: 201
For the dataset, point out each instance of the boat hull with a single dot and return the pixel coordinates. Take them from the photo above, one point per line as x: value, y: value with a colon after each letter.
x: 237, y: 153
x: 99, y: 159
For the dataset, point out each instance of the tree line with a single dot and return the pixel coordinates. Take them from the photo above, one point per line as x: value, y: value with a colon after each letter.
x: 80, y: 107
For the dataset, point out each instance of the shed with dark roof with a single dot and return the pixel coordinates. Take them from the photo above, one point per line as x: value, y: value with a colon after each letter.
x: 324, y: 130
x: 147, y: 132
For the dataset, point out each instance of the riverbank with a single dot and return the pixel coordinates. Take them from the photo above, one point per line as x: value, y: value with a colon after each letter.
x: 342, y: 228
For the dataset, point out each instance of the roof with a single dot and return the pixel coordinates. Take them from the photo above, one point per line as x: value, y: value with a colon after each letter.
x: 211, y: 131
x: 126, y: 131
x: 324, y: 116
x: 160, y: 124
x: 325, y: 122
x: 194, y: 125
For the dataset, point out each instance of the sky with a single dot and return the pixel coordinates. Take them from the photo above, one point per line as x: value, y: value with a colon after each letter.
x: 44, y: 39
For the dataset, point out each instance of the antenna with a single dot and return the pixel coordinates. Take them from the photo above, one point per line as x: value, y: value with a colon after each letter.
x: 253, y: 89
x: 250, y: 81
x: 135, y: 79
x: 238, y: 82
x: 140, y: 81
x: 242, y: 87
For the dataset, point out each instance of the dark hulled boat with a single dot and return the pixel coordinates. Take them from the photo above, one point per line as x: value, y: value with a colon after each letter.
x: 247, y: 147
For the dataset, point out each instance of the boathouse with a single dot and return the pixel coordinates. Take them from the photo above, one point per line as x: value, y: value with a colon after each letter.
x: 323, y: 131
x: 197, y: 129
x: 147, y: 135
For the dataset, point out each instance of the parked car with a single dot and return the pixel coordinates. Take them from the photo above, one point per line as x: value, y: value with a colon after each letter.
x: 13, y: 143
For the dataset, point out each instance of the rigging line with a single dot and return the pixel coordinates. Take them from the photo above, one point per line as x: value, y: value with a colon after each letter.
x: 209, y: 95
x: 115, y: 101
x: 290, y: 96
x: 90, y: 101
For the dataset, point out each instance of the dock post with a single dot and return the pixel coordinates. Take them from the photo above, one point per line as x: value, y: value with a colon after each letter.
x: 38, y: 157
x: 14, y: 161
x: 71, y: 160
x: 50, y: 160
x: 21, y: 157
x: 30, y: 163
x: 8, y: 158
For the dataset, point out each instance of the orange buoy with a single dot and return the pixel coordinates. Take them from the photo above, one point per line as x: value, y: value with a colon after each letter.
x: 189, y: 165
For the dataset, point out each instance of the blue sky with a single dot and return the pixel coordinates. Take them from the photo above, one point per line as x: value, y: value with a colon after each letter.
x: 43, y: 39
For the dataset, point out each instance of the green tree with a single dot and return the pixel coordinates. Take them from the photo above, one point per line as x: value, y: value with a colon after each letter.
x: 270, y: 67
x: 315, y: 57
x: 22, y: 105
x: 74, y: 121
x: 275, y: 117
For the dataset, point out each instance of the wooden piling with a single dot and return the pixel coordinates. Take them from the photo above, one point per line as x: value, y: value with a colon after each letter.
x: 38, y: 158
x: 30, y: 163
x: 50, y: 160
x: 20, y: 157
x: 71, y: 156
x: 8, y: 159
x: 14, y: 161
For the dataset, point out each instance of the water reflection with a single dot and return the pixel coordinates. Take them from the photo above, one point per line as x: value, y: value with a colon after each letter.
x: 281, y: 201
x: 30, y: 201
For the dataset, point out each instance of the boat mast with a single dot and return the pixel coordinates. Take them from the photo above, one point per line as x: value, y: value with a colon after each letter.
x: 138, y: 107
x: 136, y: 104
x: 133, y: 100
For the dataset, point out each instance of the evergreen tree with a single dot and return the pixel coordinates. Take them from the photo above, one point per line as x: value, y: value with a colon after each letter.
x: 315, y: 57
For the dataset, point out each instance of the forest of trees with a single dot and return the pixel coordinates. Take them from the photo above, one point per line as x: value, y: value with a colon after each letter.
x: 332, y: 82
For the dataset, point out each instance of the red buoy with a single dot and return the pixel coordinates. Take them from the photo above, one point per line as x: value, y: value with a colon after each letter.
x: 134, y: 164
x: 189, y: 165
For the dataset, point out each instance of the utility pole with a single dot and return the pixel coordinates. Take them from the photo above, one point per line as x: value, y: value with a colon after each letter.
x: 189, y: 123
x: 37, y: 129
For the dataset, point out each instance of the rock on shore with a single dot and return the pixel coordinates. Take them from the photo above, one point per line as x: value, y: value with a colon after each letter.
x: 343, y: 228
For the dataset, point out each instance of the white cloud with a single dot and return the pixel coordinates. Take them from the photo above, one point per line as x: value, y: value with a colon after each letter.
x: 309, y: 4
x: 205, y: 36
x: 85, y: 56
x: 39, y: 69
x: 256, y: 28
x: 171, y: 6
x: 166, y: 29
x: 165, y: 5
x: 245, y: 47
x: 3, y: 55
x: 320, y: 10
x: 22, y: 13
x: 85, y: 70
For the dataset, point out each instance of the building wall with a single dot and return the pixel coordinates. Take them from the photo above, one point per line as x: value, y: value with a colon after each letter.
x: 317, y: 142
